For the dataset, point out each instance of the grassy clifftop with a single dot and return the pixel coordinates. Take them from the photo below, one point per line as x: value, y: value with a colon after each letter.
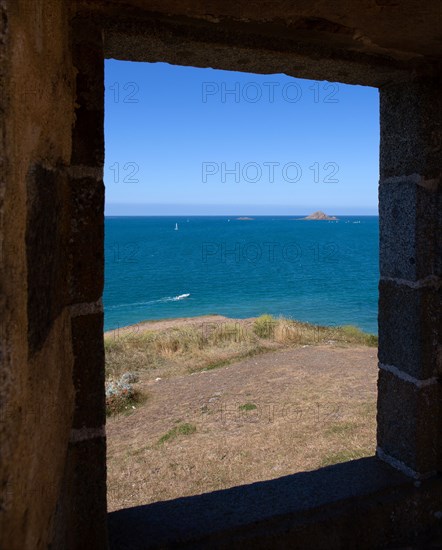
x: 164, y: 349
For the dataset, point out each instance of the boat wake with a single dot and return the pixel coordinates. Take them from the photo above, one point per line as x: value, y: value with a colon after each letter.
x: 150, y: 302
x: 181, y: 297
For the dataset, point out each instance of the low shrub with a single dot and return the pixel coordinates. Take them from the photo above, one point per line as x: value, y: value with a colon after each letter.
x: 121, y: 395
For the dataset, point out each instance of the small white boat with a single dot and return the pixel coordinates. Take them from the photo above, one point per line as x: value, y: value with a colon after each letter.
x: 176, y: 227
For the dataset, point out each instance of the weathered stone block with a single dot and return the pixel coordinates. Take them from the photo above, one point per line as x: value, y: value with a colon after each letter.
x: 88, y: 137
x: 88, y: 56
x: 410, y: 218
x: 88, y: 132
x: 45, y: 249
x: 81, y: 519
x: 86, y: 244
x: 409, y: 328
x: 410, y: 422
x: 88, y: 375
x: 410, y: 128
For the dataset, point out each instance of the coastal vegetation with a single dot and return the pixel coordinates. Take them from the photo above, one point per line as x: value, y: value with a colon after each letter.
x: 185, y: 348
x: 203, y: 404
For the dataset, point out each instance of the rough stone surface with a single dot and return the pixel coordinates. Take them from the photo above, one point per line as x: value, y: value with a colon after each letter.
x: 411, y: 230
x: 409, y: 420
x: 80, y: 520
x: 88, y: 372
x: 86, y: 250
x: 411, y: 141
x: 409, y: 329
x: 88, y: 132
x: 36, y: 389
x: 45, y: 245
x: 372, y: 43
x: 236, y: 47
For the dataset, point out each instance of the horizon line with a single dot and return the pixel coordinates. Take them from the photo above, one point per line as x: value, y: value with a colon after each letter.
x: 231, y: 215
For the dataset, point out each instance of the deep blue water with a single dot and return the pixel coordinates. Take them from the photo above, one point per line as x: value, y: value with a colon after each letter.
x: 318, y: 271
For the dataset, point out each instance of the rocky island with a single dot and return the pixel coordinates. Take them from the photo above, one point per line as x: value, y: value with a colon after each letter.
x: 319, y: 216
x: 244, y: 218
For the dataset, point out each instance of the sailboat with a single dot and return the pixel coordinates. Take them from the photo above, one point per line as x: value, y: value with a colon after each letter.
x: 176, y: 227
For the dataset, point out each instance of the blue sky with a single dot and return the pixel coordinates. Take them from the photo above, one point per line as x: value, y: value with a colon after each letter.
x: 182, y: 140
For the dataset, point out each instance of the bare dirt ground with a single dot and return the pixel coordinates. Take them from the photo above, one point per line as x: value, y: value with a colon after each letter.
x: 263, y: 417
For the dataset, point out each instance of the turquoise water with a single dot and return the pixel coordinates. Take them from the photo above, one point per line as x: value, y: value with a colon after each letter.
x: 318, y: 271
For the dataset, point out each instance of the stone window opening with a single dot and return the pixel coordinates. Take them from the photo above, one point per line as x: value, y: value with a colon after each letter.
x: 53, y: 358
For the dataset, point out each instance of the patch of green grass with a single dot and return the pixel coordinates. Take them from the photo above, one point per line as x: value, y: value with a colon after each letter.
x: 341, y: 428
x: 247, y: 407
x: 372, y: 340
x: 237, y: 357
x: 181, y: 429
x: 354, y: 334
x: 264, y: 326
x: 343, y: 456
x: 111, y: 344
x: 218, y: 364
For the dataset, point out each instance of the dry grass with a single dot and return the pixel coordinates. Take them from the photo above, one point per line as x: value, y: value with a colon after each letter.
x: 204, y: 346
x: 308, y: 402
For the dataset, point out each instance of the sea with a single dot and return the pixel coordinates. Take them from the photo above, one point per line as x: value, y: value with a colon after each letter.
x: 322, y: 272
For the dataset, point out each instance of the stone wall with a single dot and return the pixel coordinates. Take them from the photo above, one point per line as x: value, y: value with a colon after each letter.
x: 52, y: 415
x: 37, y: 393
x: 82, y: 505
x: 410, y: 338
x: 52, y: 470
